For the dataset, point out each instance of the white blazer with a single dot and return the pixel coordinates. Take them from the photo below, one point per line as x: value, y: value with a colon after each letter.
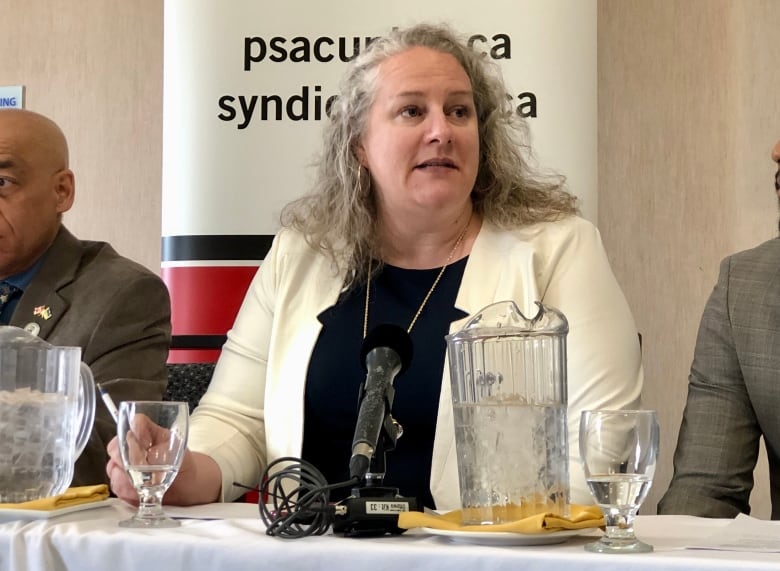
x: 252, y: 413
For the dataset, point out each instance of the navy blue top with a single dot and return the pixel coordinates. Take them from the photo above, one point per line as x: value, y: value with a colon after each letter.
x: 335, y: 375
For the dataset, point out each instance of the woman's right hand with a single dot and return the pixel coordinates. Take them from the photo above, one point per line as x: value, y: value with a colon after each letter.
x: 199, y: 480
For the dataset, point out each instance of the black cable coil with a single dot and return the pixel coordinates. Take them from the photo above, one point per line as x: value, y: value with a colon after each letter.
x: 295, y: 499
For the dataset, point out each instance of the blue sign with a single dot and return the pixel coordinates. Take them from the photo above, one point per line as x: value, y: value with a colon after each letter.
x: 12, y: 96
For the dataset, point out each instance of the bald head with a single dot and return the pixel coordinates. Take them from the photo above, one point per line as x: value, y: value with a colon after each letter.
x: 38, y: 134
x: 36, y: 187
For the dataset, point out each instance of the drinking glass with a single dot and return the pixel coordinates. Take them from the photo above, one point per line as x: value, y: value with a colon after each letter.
x: 618, y: 450
x: 152, y: 439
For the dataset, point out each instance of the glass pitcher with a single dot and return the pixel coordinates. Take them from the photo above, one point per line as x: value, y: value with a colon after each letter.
x: 508, y: 375
x: 47, y: 408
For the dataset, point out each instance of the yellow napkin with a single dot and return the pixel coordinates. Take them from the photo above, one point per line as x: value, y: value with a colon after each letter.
x: 580, y: 517
x: 70, y: 497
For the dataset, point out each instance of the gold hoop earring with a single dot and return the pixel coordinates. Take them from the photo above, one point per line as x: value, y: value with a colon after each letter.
x: 360, y: 179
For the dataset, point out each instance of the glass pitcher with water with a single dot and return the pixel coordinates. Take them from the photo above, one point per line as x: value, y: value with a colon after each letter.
x: 47, y: 408
x: 508, y: 375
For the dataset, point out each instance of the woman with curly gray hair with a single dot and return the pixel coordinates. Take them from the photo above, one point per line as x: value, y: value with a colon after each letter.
x: 425, y: 209
x: 340, y: 215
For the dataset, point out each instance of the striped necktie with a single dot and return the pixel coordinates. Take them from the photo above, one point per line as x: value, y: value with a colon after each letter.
x: 7, y: 292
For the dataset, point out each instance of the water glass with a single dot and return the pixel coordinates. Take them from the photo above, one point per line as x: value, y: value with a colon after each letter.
x: 618, y: 450
x: 152, y: 439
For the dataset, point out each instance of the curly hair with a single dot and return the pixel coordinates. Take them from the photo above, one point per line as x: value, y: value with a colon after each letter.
x: 339, y: 215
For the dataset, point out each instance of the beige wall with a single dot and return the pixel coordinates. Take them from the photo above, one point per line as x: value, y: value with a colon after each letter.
x: 95, y: 66
x: 688, y: 110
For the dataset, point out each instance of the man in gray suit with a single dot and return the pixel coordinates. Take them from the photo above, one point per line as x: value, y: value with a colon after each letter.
x: 733, y: 391
x: 73, y: 292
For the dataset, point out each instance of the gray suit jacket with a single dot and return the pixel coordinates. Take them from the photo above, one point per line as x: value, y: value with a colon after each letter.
x: 118, y: 312
x: 733, y: 392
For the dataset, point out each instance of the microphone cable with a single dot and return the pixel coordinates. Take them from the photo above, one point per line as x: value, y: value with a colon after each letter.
x: 295, y: 499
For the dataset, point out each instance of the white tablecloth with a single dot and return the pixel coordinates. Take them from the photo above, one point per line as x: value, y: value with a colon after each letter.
x: 91, y: 540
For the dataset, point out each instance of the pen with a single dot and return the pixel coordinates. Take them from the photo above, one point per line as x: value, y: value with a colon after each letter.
x: 109, y: 402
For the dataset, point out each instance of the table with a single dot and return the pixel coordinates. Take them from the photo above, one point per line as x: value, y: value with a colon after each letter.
x: 91, y: 540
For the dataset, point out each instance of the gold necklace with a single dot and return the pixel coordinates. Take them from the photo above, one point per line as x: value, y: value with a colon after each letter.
x: 430, y: 291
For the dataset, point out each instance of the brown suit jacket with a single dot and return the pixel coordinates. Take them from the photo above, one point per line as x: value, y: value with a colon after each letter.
x: 733, y: 392
x: 118, y: 312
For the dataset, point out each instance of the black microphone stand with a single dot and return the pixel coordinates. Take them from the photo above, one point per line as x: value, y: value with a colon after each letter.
x: 373, y: 508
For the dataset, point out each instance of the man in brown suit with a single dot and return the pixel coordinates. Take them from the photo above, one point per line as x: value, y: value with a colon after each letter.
x: 73, y: 292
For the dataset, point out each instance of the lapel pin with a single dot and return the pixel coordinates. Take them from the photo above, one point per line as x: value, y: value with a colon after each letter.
x: 32, y: 328
x: 43, y: 310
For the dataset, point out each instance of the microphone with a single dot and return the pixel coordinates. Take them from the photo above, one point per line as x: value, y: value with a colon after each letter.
x: 386, y: 353
x: 299, y: 495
